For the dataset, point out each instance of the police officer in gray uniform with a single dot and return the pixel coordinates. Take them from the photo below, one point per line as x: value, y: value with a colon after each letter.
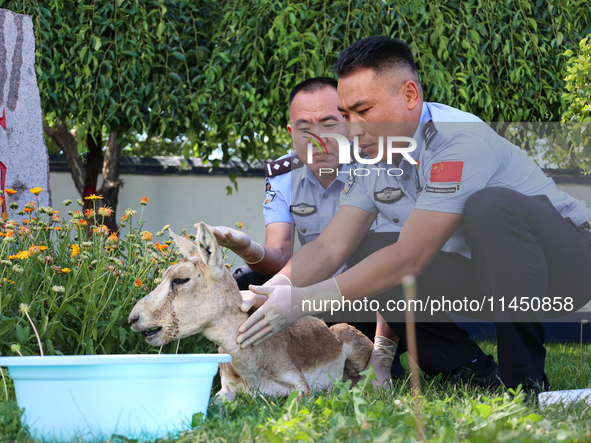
x: 481, y: 222
x: 305, y: 198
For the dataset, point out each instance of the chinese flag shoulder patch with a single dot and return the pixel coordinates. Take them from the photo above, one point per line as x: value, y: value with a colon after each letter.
x: 447, y: 172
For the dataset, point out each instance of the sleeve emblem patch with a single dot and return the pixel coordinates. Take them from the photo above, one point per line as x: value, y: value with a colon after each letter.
x: 270, y: 194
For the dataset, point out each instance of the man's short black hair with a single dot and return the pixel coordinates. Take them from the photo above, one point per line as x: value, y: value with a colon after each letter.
x: 312, y: 85
x: 381, y: 53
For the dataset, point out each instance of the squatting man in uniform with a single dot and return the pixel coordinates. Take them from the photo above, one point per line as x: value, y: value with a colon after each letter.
x: 483, y: 222
x: 313, y: 109
x: 315, y: 188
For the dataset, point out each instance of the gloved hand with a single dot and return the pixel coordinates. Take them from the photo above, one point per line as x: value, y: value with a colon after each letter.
x: 382, y: 356
x: 239, y: 242
x: 285, y: 306
x: 251, y: 301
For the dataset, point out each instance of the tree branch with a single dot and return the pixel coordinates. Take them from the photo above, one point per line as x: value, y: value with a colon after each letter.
x: 67, y: 143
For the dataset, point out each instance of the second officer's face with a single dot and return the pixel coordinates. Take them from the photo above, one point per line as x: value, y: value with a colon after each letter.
x: 315, y: 113
x: 376, y: 105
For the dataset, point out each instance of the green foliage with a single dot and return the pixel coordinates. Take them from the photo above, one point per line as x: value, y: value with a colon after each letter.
x: 10, y: 426
x: 578, y: 84
x: 219, y: 73
x: 80, y: 289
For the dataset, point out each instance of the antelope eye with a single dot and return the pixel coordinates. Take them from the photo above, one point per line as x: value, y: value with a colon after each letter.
x: 180, y: 281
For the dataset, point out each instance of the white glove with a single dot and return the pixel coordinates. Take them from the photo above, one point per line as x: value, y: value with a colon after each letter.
x: 382, y: 356
x: 285, y: 306
x: 251, y: 301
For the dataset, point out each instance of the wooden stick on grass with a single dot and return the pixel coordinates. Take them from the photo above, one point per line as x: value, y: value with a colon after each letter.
x: 409, y: 285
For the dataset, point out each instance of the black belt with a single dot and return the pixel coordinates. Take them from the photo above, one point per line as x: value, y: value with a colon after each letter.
x: 586, y: 226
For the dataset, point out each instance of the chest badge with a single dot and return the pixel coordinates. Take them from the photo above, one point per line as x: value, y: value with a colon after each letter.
x: 388, y: 195
x: 303, y: 209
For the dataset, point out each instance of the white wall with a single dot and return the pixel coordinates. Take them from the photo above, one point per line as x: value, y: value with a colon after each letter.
x: 181, y: 201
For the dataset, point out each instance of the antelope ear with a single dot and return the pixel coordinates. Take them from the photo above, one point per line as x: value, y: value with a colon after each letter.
x: 186, y: 247
x: 210, y: 251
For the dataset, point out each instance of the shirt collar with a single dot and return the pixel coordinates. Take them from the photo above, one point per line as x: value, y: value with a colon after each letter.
x: 418, y: 135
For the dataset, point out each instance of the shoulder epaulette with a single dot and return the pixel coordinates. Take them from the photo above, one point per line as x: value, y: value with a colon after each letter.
x: 283, y: 165
x: 429, y: 131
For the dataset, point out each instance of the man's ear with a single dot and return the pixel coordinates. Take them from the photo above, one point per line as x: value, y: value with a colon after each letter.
x: 210, y: 252
x: 187, y: 248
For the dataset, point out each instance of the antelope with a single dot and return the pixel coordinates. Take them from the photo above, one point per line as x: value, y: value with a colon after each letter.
x: 199, y: 295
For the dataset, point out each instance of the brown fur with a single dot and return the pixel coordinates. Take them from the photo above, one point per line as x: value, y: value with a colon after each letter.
x: 300, y: 357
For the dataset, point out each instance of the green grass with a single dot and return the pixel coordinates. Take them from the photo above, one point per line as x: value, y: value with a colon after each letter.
x: 451, y: 414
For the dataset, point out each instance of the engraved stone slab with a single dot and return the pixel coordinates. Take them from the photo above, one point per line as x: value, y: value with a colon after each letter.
x: 24, y: 162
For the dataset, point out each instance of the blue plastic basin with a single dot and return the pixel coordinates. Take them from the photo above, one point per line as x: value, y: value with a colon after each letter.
x: 96, y: 396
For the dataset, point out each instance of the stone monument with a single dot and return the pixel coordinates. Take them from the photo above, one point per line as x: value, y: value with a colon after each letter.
x: 24, y: 161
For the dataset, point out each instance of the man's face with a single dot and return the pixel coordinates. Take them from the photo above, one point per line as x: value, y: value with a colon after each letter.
x: 315, y: 113
x: 376, y: 105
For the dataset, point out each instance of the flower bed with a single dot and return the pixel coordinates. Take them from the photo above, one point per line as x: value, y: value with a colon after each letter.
x: 79, y: 280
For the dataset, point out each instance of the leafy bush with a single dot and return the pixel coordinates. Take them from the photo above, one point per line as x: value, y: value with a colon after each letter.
x: 80, y: 282
x: 578, y: 84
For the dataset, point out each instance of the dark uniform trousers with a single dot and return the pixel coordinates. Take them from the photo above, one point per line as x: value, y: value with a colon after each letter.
x: 521, y: 247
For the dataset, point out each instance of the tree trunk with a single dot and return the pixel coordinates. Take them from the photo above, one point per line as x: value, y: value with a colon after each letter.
x: 94, y: 163
x: 86, y: 180
x: 111, y: 181
x: 67, y: 143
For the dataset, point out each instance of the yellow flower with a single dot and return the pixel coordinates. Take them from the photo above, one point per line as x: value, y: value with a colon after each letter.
x: 93, y: 197
x: 36, y: 191
x: 20, y: 255
x: 66, y: 270
x: 10, y: 191
x: 75, y: 251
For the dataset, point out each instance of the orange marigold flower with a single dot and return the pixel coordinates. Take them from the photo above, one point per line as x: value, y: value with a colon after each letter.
x: 36, y: 249
x: 113, y: 237
x: 28, y: 210
x: 83, y: 223
x: 160, y: 247
x: 144, y: 201
x: 101, y: 229
x: 105, y: 211
x: 75, y: 251
x: 173, y: 263
x: 25, y: 221
x: 55, y: 218
x: 138, y: 283
x: 239, y: 225
x: 10, y: 233
x: 125, y: 218
x: 93, y: 197
x: 89, y: 213
x: 57, y: 228
x: 36, y: 191
x: 146, y: 236
x: 66, y: 270
x: 10, y: 191
x: 5, y: 215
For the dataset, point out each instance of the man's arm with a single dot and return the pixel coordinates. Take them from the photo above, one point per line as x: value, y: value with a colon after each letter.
x: 267, y: 259
x: 321, y: 258
x: 422, y: 236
